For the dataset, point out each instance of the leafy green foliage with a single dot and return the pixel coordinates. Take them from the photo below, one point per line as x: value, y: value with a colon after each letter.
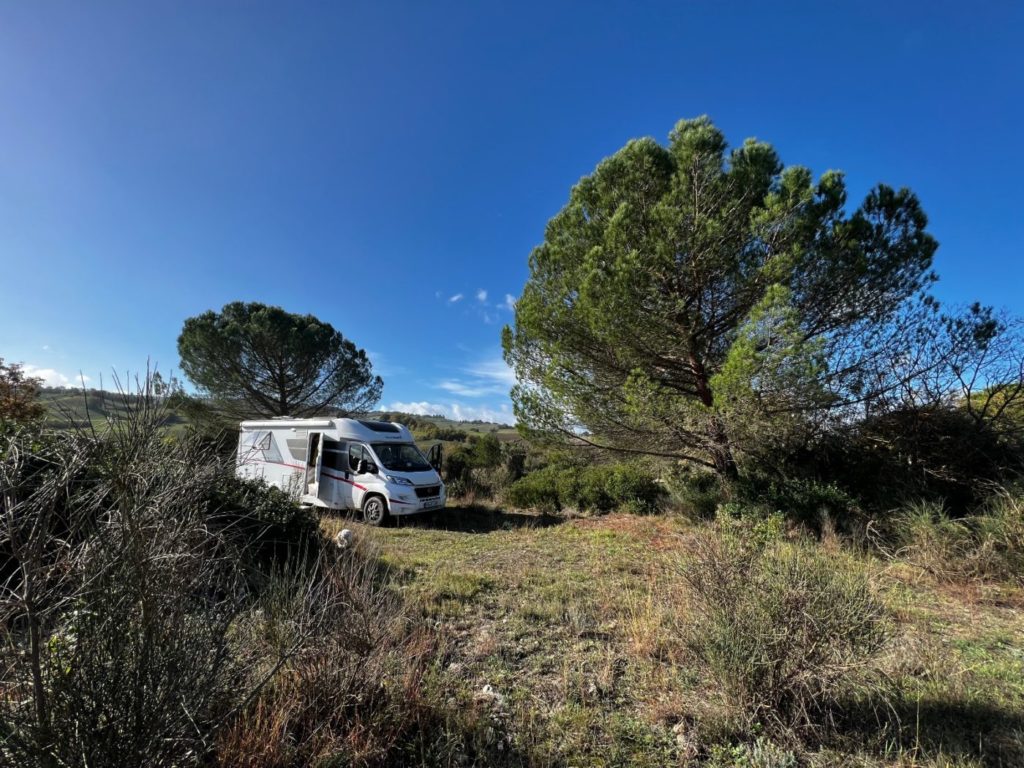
x: 696, y: 493
x: 812, y: 503
x: 687, y: 293
x: 483, y: 466
x: 937, y: 453
x: 19, y: 395
x: 485, y: 452
x: 538, y: 490
x: 263, y: 521
x: 257, y: 360
x: 599, y: 488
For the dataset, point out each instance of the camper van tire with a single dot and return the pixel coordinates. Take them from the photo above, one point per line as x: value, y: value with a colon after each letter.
x: 375, y: 511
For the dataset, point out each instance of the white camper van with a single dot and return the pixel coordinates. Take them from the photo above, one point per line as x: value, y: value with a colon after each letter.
x: 343, y: 464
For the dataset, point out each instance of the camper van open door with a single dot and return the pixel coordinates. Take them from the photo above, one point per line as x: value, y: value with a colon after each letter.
x: 314, y: 462
x: 434, y: 456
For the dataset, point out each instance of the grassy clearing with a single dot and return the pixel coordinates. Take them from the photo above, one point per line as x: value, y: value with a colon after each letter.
x: 578, y: 628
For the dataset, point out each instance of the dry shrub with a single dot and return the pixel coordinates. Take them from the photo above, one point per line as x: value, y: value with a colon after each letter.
x: 784, y: 632
x: 118, y: 597
x: 989, y: 545
x: 354, y: 683
x: 144, y: 620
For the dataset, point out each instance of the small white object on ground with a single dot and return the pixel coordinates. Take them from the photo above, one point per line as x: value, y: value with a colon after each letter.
x: 488, y: 695
x: 344, y: 538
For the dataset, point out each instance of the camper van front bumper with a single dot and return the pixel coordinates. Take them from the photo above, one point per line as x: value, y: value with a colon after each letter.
x: 410, y: 503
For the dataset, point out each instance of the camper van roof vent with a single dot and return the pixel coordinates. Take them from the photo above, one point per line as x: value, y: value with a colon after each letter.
x: 380, y: 426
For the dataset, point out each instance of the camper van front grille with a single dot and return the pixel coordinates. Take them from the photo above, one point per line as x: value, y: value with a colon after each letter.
x: 426, y: 491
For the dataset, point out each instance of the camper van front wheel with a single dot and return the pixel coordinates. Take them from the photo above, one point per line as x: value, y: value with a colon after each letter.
x: 374, y: 510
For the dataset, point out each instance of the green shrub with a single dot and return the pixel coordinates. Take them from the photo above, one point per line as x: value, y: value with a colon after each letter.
x: 595, y: 488
x: 485, y: 451
x: 537, y: 490
x: 936, y: 454
x: 481, y: 467
x: 695, y: 494
x: 810, y: 502
x: 456, y: 464
x: 451, y: 434
x: 267, y: 524
x: 584, y: 489
x: 633, y: 489
x: 123, y: 590
x: 782, y: 631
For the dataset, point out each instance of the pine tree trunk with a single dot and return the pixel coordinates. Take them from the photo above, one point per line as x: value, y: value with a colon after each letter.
x: 721, y: 451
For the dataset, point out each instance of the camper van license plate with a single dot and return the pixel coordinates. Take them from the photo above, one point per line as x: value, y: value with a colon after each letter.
x: 431, y: 503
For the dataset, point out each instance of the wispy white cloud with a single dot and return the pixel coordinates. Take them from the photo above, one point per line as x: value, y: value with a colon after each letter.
x: 54, y: 378
x: 470, y: 389
x: 510, y: 302
x: 487, y: 378
x: 455, y: 411
x: 46, y: 347
x: 494, y: 370
x: 453, y: 299
x: 481, y: 296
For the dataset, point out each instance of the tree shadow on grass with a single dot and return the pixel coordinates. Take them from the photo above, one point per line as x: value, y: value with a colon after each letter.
x: 475, y: 518
x: 973, y: 730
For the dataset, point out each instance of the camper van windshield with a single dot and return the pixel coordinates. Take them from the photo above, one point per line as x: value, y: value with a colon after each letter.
x: 401, y: 457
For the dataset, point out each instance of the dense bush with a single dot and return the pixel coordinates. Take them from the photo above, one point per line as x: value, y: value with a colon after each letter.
x: 427, y: 431
x: 115, y: 633
x: 485, y: 451
x: 812, y: 503
x: 537, y: 490
x: 450, y: 434
x: 483, y: 466
x: 598, y: 488
x: 783, y: 632
x: 696, y: 494
x: 267, y: 524
x: 937, y: 454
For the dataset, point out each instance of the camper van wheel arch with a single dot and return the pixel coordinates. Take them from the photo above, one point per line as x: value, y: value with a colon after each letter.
x: 375, y: 510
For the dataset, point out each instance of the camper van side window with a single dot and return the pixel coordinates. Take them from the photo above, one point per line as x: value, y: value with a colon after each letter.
x: 264, y: 442
x: 355, y: 453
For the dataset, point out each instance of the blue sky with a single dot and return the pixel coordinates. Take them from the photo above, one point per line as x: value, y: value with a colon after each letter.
x: 388, y: 166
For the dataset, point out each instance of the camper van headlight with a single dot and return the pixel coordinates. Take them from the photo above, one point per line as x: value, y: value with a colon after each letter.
x: 398, y: 480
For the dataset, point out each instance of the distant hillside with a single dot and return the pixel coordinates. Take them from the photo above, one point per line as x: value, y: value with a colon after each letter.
x: 67, y: 407
x: 73, y: 406
x: 421, y: 425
